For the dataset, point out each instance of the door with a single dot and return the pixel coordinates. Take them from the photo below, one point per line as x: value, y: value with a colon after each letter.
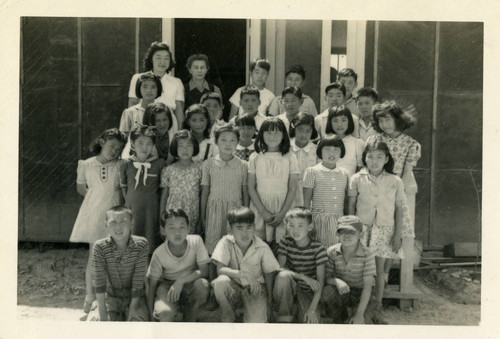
x: 223, y: 41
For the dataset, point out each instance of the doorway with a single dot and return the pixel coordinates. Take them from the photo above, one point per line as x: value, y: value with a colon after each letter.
x: 223, y: 41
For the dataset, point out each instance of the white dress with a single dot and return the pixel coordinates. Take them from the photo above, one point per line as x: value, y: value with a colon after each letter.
x: 103, y: 192
x: 353, y: 157
x: 272, y: 171
x: 306, y: 157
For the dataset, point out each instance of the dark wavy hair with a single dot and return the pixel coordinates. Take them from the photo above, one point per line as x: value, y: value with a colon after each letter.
x: 197, y: 109
x: 112, y: 133
x: 197, y: 57
x: 157, y: 108
x: 272, y: 124
x: 347, y: 72
x: 381, y: 146
x: 337, y: 112
x: 155, y: 47
x: 402, y: 120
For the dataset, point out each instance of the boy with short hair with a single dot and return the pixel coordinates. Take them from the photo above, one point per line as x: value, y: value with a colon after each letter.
x: 303, y: 261
x: 349, y: 79
x: 334, y: 95
x: 213, y: 103
x: 250, y: 103
x: 259, y: 71
x: 350, y: 282
x: 295, y: 75
x: 366, y: 98
x: 177, y: 271
x: 119, y: 264
x: 246, y: 266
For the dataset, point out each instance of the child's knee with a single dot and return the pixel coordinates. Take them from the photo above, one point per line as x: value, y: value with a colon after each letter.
x: 202, y: 289
x: 221, y: 285
x: 163, y: 311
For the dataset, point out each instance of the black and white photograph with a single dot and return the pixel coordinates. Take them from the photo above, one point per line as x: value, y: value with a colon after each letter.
x: 226, y: 170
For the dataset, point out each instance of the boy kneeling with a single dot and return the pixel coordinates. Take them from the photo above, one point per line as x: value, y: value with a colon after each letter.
x: 351, y: 281
x: 177, y: 271
x: 303, y: 276
x: 246, y: 266
x: 119, y: 264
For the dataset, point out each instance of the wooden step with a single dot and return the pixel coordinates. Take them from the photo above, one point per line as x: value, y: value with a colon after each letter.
x: 393, y: 292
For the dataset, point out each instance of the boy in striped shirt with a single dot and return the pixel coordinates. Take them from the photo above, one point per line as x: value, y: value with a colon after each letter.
x: 303, y: 261
x: 352, y: 277
x: 119, y: 264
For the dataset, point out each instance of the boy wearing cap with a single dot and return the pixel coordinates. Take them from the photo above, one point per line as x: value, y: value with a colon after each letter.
x: 349, y: 284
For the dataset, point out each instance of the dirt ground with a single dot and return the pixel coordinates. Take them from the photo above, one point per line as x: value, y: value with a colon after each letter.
x: 51, y: 286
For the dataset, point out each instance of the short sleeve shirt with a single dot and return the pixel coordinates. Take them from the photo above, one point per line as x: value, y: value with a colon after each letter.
x: 116, y: 274
x: 303, y: 260
x: 359, y: 267
x: 376, y: 196
x: 329, y: 188
x: 258, y: 259
x: 167, y: 266
x: 266, y: 97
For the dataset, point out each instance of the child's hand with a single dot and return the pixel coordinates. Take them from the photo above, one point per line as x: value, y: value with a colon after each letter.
x: 278, y: 218
x: 396, y: 242
x: 312, y: 283
x: 175, y: 291
x: 252, y: 283
x: 342, y: 286
x: 357, y: 319
x: 267, y: 216
x: 311, y: 317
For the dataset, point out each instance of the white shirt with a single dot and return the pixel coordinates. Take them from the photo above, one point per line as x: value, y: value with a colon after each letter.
x: 266, y: 97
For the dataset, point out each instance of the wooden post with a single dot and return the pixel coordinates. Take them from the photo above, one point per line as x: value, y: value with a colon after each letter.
x: 406, y: 269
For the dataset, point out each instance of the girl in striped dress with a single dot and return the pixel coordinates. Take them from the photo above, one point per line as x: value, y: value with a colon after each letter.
x: 325, y: 187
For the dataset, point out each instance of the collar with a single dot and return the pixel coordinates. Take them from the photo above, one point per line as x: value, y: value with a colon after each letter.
x: 365, y: 171
x: 360, y: 252
x: 131, y: 241
x: 192, y: 85
x: 323, y: 168
x: 307, y: 148
x: 256, y: 242
x: 365, y: 126
x: 233, y: 163
x: 150, y: 159
x: 242, y: 148
x: 388, y: 137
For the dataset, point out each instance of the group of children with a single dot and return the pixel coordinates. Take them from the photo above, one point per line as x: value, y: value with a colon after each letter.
x: 280, y: 209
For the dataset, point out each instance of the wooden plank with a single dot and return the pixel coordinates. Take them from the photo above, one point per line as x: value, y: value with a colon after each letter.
x: 393, y: 292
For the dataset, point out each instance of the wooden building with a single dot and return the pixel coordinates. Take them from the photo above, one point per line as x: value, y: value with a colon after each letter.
x: 75, y: 74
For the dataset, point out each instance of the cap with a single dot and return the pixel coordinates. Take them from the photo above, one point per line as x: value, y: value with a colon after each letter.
x: 350, y: 222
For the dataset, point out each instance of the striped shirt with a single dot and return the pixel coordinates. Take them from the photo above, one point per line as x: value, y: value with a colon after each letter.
x: 329, y: 188
x: 303, y: 259
x: 361, y: 265
x: 120, y: 276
